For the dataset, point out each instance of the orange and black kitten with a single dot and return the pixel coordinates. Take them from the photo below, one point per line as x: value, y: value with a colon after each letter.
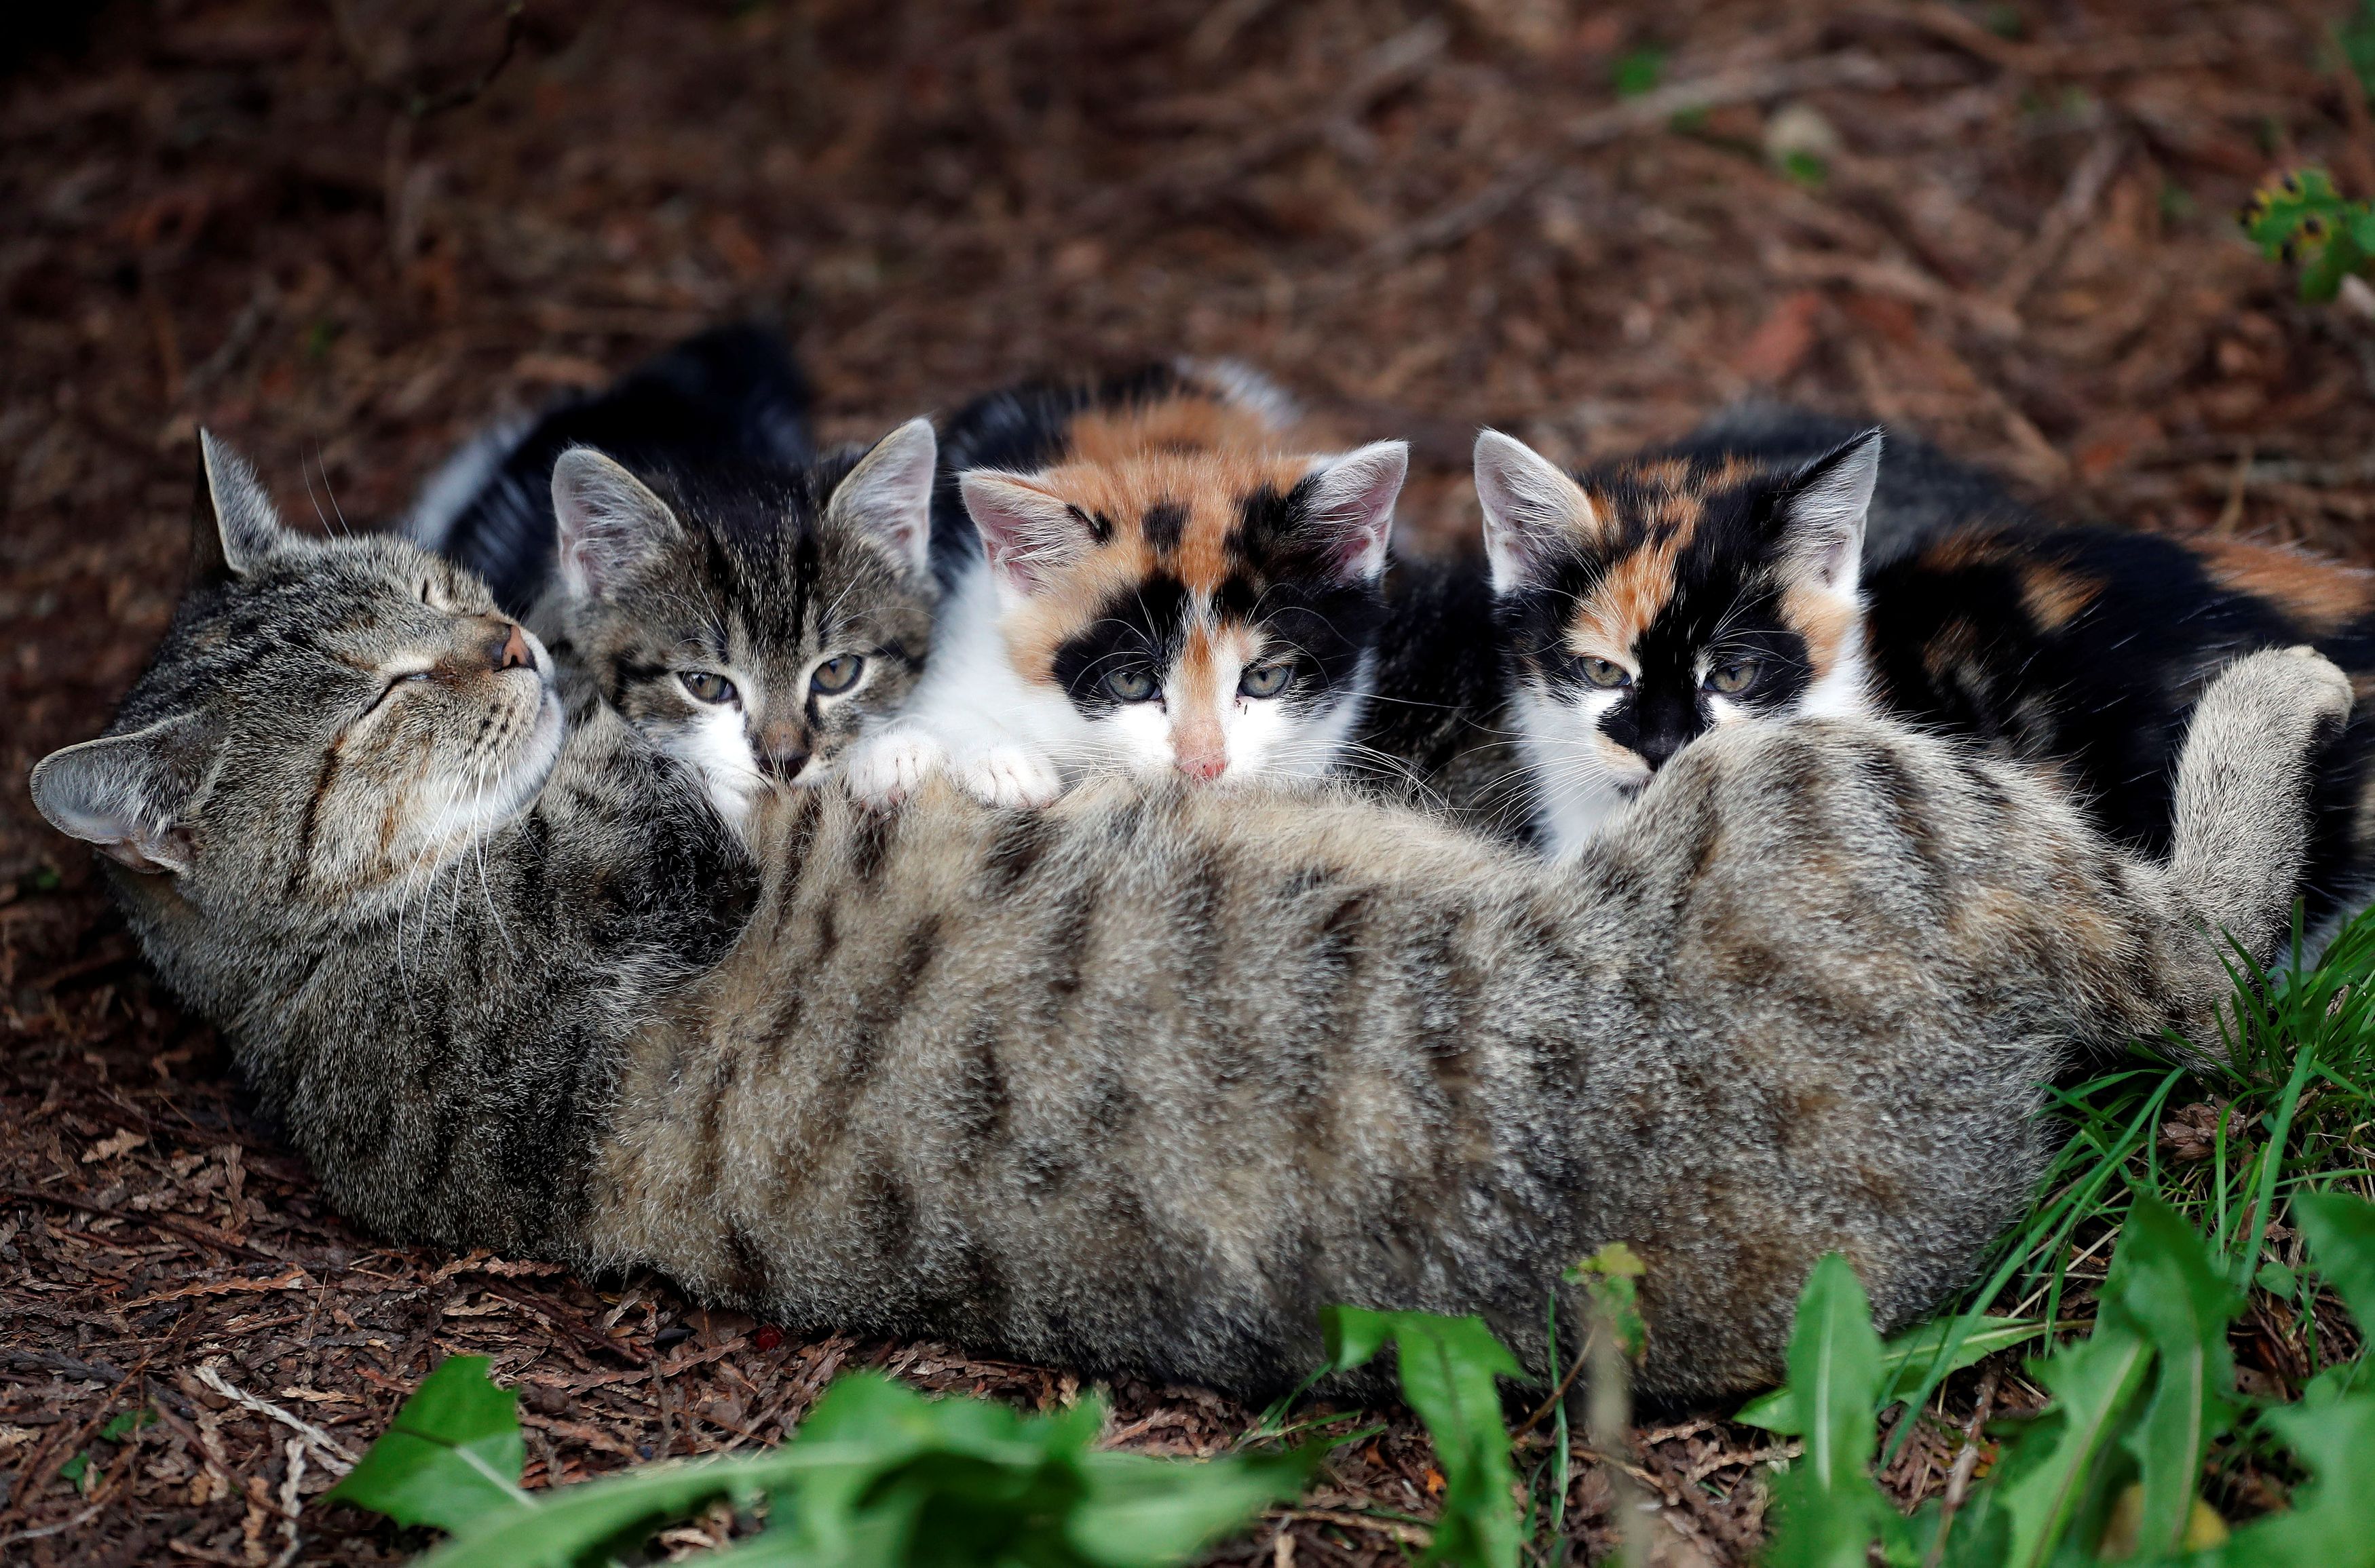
x: 1640, y: 605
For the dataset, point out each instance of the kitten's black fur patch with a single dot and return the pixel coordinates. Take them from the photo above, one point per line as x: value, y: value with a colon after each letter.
x: 728, y: 397
x: 1956, y: 639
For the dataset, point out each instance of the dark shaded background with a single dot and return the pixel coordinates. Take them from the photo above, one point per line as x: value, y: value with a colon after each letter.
x: 308, y: 226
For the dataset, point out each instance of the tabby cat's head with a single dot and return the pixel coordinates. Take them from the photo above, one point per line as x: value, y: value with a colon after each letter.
x: 1646, y: 603
x: 749, y: 623
x: 324, y: 719
x: 1208, y: 611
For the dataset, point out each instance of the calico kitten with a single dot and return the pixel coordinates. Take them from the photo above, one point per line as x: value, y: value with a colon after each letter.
x: 1140, y: 1083
x: 744, y: 604
x: 1647, y: 603
x: 1654, y: 600
x: 751, y: 621
x: 1450, y: 716
x: 1143, y: 578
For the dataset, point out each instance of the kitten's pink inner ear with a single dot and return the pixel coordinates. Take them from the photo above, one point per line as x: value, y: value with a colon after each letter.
x: 1530, y: 505
x: 1026, y: 532
x: 608, y: 520
x: 1354, y: 500
x: 888, y: 496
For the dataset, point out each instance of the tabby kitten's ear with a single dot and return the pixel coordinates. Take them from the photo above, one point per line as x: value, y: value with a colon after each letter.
x: 610, y: 522
x: 888, y: 497
x: 233, y: 523
x: 1822, y: 512
x: 1352, y: 500
x: 1531, y: 508
x: 1027, y: 533
x: 125, y: 793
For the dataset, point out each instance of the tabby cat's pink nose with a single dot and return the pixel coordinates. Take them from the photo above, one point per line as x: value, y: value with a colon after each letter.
x: 512, y: 652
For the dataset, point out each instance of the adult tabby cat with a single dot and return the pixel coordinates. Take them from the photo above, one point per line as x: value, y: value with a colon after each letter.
x: 1642, y: 604
x: 1140, y: 1082
x: 1143, y: 575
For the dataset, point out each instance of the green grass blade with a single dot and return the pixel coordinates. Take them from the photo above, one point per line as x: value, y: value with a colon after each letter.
x: 2340, y: 1233
x: 1828, y: 1509
x: 2055, y: 1463
x: 2165, y: 1282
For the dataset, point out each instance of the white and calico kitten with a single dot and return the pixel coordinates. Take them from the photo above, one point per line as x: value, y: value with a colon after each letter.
x: 1156, y: 589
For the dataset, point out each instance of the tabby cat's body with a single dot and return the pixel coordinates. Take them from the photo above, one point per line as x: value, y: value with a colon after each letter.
x: 1141, y: 1082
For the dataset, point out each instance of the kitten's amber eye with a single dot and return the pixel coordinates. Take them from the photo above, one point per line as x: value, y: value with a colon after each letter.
x: 1606, y: 673
x: 1265, y: 681
x: 707, y: 687
x: 837, y: 674
x: 1131, y: 685
x: 1733, y: 678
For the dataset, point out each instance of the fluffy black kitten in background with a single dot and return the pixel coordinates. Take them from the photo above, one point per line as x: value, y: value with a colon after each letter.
x: 731, y: 398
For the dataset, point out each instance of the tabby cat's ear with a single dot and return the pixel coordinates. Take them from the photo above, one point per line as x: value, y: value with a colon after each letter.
x: 1352, y: 501
x: 610, y: 522
x: 1028, y: 533
x: 1531, y: 508
x: 126, y: 792
x: 888, y: 497
x: 233, y: 523
x: 1823, y: 514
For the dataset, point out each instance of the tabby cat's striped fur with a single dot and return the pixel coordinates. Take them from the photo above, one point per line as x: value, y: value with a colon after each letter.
x: 1144, y: 1082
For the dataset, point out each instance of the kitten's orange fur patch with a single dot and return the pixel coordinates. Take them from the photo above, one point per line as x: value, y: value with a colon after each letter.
x: 1191, y: 452
x: 1625, y: 602
x: 2054, y: 595
x: 1824, y: 621
x: 2322, y: 595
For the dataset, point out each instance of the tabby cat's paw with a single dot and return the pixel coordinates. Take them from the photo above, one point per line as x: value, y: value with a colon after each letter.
x: 1009, y: 775
x: 2298, y: 684
x: 885, y: 769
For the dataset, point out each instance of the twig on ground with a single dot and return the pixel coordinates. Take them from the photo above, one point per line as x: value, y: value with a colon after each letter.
x: 334, y: 1456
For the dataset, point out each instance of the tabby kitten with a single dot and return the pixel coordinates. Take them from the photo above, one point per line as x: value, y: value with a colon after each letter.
x: 750, y: 622
x: 1144, y: 580
x: 1140, y: 1083
x: 745, y: 605
x: 1649, y: 602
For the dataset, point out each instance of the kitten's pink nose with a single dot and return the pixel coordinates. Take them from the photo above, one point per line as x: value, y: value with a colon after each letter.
x: 1202, y: 766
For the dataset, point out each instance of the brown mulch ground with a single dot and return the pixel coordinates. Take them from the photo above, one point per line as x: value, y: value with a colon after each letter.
x: 300, y: 225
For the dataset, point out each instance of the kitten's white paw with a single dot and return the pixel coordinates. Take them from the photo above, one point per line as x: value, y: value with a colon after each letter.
x: 885, y: 769
x: 1009, y: 775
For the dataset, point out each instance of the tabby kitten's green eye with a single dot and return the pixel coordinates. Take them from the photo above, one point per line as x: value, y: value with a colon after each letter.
x: 1265, y: 681
x: 1131, y: 685
x: 707, y: 687
x: 1733, y: 678
x: 837, y: 674
x: 1606, y: 673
